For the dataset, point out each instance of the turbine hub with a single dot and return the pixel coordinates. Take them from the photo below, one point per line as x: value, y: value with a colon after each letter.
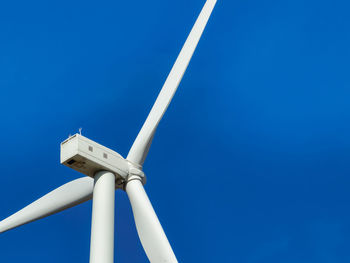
x: 135, y: 173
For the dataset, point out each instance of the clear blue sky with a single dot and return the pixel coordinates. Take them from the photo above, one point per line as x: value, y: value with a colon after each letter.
x: 250, y: 163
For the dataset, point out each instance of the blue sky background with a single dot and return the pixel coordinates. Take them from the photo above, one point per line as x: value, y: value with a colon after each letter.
x: 251, y: 161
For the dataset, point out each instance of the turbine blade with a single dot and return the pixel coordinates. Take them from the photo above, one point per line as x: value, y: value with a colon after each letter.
x: 66, y: 196
x: 142, y: 143
x: 152, y: 236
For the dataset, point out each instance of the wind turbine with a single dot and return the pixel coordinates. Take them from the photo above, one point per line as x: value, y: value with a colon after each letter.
x: 107, y: 170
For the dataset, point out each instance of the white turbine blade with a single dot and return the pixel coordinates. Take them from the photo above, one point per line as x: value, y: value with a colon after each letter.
x: 66, y: 196
x: 152, y: 236
x: 140, y: 147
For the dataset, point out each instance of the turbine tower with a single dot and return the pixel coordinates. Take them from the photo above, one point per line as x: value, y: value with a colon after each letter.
x: 106, y: 170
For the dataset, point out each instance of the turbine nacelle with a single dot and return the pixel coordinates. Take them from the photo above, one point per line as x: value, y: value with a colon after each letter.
x: 89, y: 157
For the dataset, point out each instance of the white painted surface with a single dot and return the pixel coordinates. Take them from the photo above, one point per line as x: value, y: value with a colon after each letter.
x: 152, y: 236
x: 102, y: 225
x: 90, y: 157
x: 66, y: 196
x: 140, y: 147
